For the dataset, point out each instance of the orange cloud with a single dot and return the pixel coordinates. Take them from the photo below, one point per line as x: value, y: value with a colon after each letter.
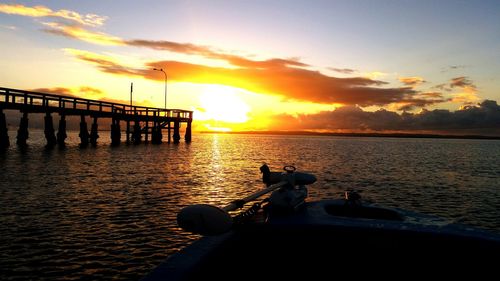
x: 42, y: 11
x: 468, y: 94
x: 412, y: 81
x: 280, y: 79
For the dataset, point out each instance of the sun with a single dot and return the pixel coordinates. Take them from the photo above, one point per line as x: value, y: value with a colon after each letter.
x: 223, y: 103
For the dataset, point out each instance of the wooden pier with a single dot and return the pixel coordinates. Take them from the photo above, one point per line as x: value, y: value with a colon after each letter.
x: 139, y: 120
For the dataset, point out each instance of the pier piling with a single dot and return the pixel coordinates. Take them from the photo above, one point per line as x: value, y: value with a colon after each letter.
x: 128, y: 132
x: 49, y: 130
x: 136, y: 134
x: 61, y: 132
x: 84, y: 133
x: 187, y: 135
x: 4, y: 136
x: 177, y: 135
x: 115, y: 132
x: 93, y: 133
x: 22, y: 132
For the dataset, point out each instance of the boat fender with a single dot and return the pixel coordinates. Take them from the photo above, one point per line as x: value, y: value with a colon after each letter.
x: 204, y: 219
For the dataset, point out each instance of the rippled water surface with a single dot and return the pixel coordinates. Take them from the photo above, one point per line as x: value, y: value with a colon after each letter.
x: 109, y: 213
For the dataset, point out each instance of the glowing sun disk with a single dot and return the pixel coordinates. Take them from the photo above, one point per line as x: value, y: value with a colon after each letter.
x: 222, y: 103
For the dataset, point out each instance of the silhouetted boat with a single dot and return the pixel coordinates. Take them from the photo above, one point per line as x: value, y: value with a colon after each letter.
x: 327, y: 239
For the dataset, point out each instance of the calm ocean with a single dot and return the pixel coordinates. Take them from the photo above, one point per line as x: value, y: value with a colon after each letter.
x: 108, y: 213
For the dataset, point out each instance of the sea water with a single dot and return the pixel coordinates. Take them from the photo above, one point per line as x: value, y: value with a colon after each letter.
x: 108, y: 213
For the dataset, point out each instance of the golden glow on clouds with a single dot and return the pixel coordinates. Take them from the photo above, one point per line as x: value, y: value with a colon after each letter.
x: 82, y: 34
x: 375, y: 75
x: 229, y: 90
x: 468, y: 96
x: 42, y: 11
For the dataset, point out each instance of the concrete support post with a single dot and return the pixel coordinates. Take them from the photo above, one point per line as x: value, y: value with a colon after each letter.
x: 49, y: 130
x: 61, y: 131
x: 22, y: 132
x: 84, y: 133
x: 4, y: 136
x: 128, y: 132
x: 115, y: 132
x: 136, y: 135
x: 187, y: 136
x: 169, y: 128
x: 93, y: 133
x: 146, y: 133
x: 177, y: 135
x: 156, y: 134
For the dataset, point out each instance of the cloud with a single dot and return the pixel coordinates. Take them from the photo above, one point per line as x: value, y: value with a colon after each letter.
x: 87, y: 92
x: 452, y: 68
x: 286, y: 77
x: 412, y: 81
x: 10, y: 27
x: 343, y: 70
x: 480, y: 118
x: 375, y: 74
x: 278, y: 79
x: 421, y: 100
x: 81, y: 92
x: 77, y: 32
x: 211, y: 53
x: 105, y: 63
x: 468, y: 91
x: 42, y: 11
x: 462, y: 82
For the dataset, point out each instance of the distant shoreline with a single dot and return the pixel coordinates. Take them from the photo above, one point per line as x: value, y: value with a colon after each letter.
x: 370, y: 135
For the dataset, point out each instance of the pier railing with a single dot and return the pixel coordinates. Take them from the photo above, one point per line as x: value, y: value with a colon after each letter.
x: 19, y: 99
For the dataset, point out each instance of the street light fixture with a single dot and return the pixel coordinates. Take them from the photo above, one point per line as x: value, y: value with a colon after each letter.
x: 161, y: 69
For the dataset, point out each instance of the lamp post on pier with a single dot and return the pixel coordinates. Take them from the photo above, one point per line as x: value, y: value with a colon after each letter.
x: 161, y: 69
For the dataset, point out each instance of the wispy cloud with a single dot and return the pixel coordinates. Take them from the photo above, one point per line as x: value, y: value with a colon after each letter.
x: 452, y: 68
x: 105, y: 63
x: 77, y: 32
x: 42, y: 11
x: 343, y: 70
x: 10, y: 27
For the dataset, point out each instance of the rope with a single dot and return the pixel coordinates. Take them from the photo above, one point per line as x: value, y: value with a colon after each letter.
x: 246, y: 215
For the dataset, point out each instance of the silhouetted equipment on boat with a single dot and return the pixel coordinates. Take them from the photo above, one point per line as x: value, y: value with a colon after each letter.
x: 324, y: 239
x: 147, y: 121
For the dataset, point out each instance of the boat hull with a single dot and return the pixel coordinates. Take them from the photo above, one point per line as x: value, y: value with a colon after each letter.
x: 317, y: 242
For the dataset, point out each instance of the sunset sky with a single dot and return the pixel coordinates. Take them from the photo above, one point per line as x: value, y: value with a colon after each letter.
x: 327, y: 66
